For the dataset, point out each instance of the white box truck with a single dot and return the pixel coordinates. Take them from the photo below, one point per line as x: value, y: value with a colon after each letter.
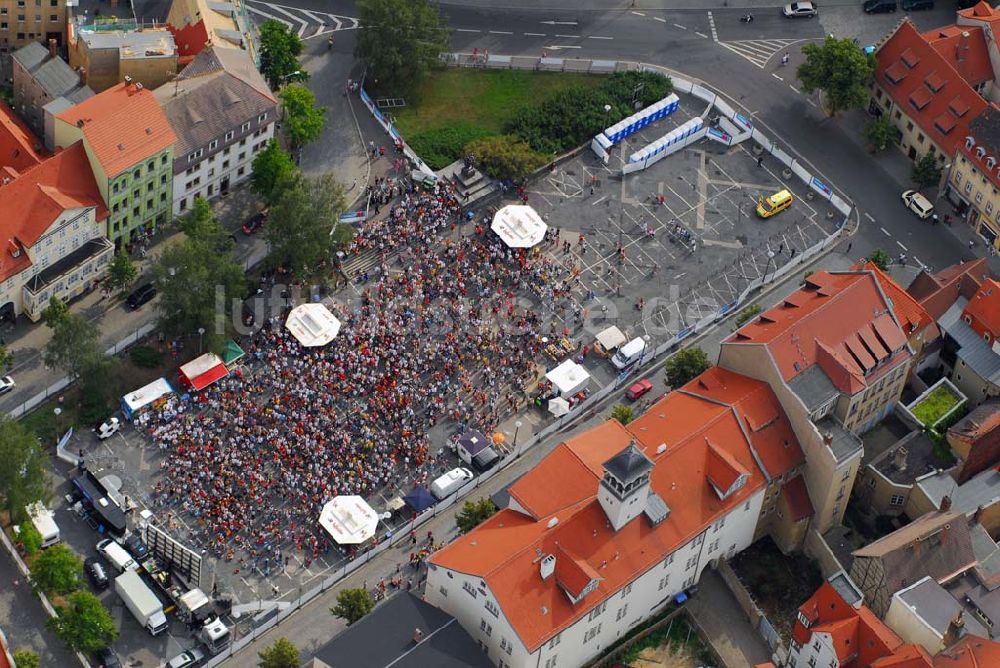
x: 141, y: 602
x: 44, y: 521
x: 450, y: 482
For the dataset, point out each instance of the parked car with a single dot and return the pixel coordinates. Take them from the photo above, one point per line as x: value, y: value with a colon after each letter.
x: 7, y: 384
x: 914, y: 5
x: 96, y: 573
x: 772, y: 204
x: 107, y: 428
x: 638, y: 389
x: 918, y: 204
x: 254, y: 223
x: 800, y: 9
x: 140, y: 296
x: 187, y: 658
x: 879, y: 6
x: 106, y: 658
x: 136, y: 547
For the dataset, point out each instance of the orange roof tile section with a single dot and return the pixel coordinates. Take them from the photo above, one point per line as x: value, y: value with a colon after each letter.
x: 838, y: 320
x: 123, y: 126
x: 964, y: 47
x: 984, y: 309
x: 970, y: 652
x: 797, y: 497
x: 20, y: 150
x: 856, y: 631
x: 937, y: 292
x: 33, y: 201
x: 675, y: 434
x: 909, y: 313
x: 926, y: 87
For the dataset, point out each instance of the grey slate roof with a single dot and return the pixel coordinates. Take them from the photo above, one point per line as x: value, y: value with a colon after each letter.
x: 628, y: 464
x: 813, y: 387
x: 937, y: 607
x: 212, y: 99
x: 844, y: 444
x: 53, y: 75
x: 920, y: 459
x: 972, y: 350
x: 986, y: 129
x: 385, y: 637
x: 979, y: 490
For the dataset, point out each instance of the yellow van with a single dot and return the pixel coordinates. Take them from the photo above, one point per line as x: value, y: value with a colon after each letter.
x: 772, y: 204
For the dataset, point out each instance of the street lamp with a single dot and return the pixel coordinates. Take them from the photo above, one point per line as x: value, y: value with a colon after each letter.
x: 201, y: 332
x: 517, y: 428
x: 770, y: 256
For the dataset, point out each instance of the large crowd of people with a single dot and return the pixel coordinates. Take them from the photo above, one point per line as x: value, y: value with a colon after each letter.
x: 448, y: 329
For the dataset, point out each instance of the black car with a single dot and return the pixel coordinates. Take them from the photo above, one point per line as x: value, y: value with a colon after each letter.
x: 879, y: 6
x: 106, y: 658
x: 96, y: 573
x: 136, y: 547
x: 913, y: 5
x: 140, y: 296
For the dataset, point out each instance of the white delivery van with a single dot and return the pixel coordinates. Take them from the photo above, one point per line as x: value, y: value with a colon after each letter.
x: 450, y: 482
x: 629, y: 354
x: 117, y: 556
x: 44, y: 521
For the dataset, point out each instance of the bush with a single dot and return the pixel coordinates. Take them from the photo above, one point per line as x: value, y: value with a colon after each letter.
x: 145, y: 357
x: 571, y: 117
x: 505, y: 157
x: 747, y: 314
x: 440, y: 147
x: 30, y: 539
x: 342, y: 235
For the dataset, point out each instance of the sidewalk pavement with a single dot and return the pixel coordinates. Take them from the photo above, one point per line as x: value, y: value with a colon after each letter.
x: 737, y: 643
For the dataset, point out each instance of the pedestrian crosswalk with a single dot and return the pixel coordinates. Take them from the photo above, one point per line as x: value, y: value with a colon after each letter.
x: 758, y: 51
x: 305, y: 23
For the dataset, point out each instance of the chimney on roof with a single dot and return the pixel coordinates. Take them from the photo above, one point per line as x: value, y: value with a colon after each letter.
x: 53, y: 48
x: 956, y: 629
x: 79, y: 122
x: 418, y: 635
x: 827, y: 438
x: 548, y: 566
x: 945, y: 504
x: 899, y: 458
x: 962, y: 47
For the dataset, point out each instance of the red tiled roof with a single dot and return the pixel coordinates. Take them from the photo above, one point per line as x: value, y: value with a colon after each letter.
x: 909, y: 313
x: 840, y: 321
x: 937, y: 292
x: 20, y: 150
x: 123, y: 126
x: 970, y: 56
x: 32, y: 202
x: 797, y: 497
x: 909, y: 67
x: 856, y: 631
x: 984, y: 310
x: 970, y: 652
x: 675, y: 434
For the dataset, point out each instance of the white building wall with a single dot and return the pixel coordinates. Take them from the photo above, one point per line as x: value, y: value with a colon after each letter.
x: 204, y: 178
x: 910, y: 626
x: 625, y: 608
x: 817, y: 653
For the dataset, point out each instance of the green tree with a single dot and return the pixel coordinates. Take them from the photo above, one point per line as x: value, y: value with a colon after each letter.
x: 280, y: 48
x: 74, y: 341
x: 6, y: 358
x: 505, y: 157
x: 23, y: 475
x: 84, y: 624
x: 747, y: 314
x: 122, y: 273
x: 282, y: 654
x: 400, y: 41
x: 926, y: 171
x: 57, y: 570
x: 685, y: 365
x: 272, y: 167
x: 880, y: 259
x: 26, y: 658
x: 353, y: 604
x: 474, y: 513
x: 54, y: 313
x: 880, y: 132
x: 840, y: 69
x: 303, y: 118
x: 624, y: 414
x: 302, y: 220
x: 29, y: 538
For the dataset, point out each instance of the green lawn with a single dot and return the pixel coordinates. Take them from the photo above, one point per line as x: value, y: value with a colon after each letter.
x: 483, y: 98
x: 935, y: 405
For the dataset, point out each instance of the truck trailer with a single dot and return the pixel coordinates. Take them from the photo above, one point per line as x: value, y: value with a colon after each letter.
x: 141, y: 602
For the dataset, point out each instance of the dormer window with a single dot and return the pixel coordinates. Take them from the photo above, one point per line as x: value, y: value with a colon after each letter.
x: 980, y: 152
x: 969, y: 143
x: 990, y: 162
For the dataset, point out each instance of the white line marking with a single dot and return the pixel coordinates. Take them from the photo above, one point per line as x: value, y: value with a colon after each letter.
x: 776, y: 76
x: 885, y: 231
x: 901, y: 245
x: 638, y: 13
x: 700, y: 34
x: 679, y: 26
x: 500, y: 32
x: 570, y: 36
x: 869, y: 217
x: 794, y: 88
x: 534, y: 34
x: 556, y: 47
x: 598, y: 201
x: 812, y: 103
x: 598, y: 37
x: 259, y: 12
x: 660, y: 19
x: 295, y: 18
x: 465, y: 30
x: 922, y: 265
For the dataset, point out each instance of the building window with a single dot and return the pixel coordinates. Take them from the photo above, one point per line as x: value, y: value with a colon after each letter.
x: 551, y: 662
x: 664, y: 581
x: 492, y: 608
x: 245, y: 127
x: 212, y: 145
x: 920, y: 138
x: 163, y: 159
x: 626, y: 590
x: 230, y: 135
x: 591, y: 633
x: 467, y: 586
x: 443, y: 590
x: 485, y: 628
x: 596, y: 612
x: 555, y: 641
x: 621, y: 612
x: 669, y: 560
x: 196, y: 155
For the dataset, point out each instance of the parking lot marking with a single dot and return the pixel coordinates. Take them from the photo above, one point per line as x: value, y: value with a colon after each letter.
x: 503, y: 32
x: 466, y: 30
x: 900, y: 244
x: 638, y: 13
x: 869, y: 217
x: 701, y: 34
x: 679, y: 26
x: 599, y: 200
x: 660, y: 19
x: 534, y: 34
x: 598, y: 37
x: 885, y: 231
x: 776, y: 76
x: 794, y: 88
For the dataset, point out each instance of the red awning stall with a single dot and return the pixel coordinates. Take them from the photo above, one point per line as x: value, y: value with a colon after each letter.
x: 202, y: 371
